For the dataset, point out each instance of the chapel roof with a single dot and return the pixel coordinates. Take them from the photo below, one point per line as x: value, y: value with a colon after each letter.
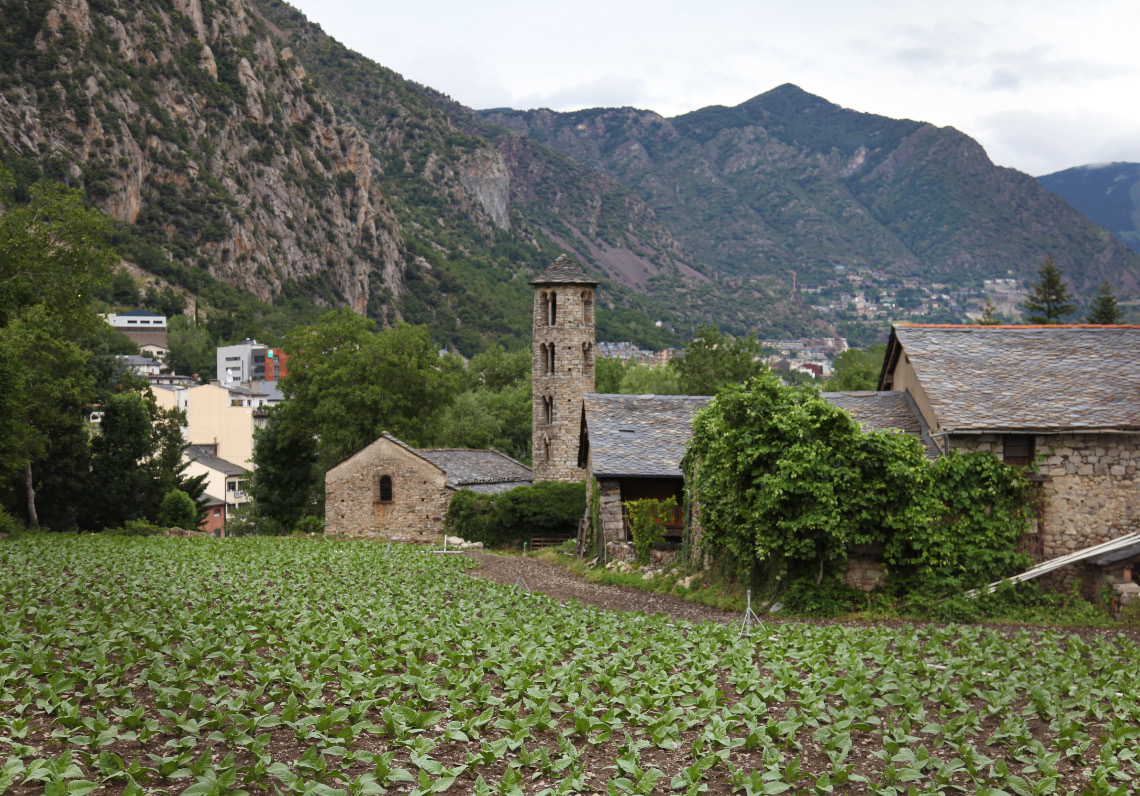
x: 885, y: 411
x: 478, y: 470
x: 646, y: 436
x: 640, y: 435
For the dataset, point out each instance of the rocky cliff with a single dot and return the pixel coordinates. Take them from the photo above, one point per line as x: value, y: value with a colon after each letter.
x: 191, y: 123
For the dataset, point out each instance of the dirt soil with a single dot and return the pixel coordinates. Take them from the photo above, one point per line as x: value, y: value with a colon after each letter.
x: 553, y: 580
x: 557, y: 582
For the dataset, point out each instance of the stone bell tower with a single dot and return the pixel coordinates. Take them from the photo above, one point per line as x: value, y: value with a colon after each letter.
x: 562, y: 367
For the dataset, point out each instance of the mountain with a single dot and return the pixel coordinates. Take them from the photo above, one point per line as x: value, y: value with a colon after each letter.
x: 265, y: 170
x: 789, y: 181
x: 237, y: 146
x: 1108, y: 193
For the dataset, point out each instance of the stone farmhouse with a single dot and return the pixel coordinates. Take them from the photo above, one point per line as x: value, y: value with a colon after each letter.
x: 1064, y: 397
x: 392, y: 490
x: 633, y: 446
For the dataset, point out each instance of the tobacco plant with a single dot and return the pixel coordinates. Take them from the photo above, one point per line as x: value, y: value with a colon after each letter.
x: 261, y: 665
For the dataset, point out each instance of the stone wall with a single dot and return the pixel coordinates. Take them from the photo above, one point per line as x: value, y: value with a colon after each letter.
x: 1092, y: 493
x: 571, y: 337
x: 609, y: 512
x: 419, y: 495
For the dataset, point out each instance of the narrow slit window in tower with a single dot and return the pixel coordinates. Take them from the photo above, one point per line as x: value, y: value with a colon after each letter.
x: 553, y: 308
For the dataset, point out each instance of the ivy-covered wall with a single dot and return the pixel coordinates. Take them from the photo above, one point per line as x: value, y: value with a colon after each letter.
x: 1092, y: 494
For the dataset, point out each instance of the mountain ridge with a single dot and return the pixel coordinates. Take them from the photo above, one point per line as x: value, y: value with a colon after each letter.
x: 237, y: 144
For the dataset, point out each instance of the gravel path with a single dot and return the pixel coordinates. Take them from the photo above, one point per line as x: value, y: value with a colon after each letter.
x: 556, y: 582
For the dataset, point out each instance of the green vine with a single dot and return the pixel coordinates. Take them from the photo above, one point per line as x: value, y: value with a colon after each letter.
x: 788, y: 484
x: 647, y: 519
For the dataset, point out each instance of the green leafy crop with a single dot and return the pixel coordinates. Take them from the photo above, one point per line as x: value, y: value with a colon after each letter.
x: 269, y: 665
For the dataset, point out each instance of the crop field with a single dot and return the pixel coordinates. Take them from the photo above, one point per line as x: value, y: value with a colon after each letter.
x: 260, y: 665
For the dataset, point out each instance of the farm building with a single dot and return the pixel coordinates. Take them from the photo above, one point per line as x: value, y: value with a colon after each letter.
x: 391, y: 489
x: 632, y: 446
x: 1065, y: 397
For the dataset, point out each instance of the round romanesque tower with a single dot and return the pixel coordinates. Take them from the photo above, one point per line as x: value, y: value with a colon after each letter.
x: 562, y: 364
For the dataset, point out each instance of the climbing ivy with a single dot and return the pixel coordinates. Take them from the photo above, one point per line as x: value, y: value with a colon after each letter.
x: 788, y: 484
x: 647, y: 518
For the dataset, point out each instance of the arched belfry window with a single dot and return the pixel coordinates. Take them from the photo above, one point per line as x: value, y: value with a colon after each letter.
x: 552, y: 305
x: 384, y: 489
x: 550, y: 358
x: 546, y: 448
x: 587, y: 308
x: 588, y: 358
x: 548, y: 408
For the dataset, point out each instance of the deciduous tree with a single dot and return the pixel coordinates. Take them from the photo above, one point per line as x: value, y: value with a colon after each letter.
x: 714, y: 360
x: 350, y: 383
x: 53, y: 250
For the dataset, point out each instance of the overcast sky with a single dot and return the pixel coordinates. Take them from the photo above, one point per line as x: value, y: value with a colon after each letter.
x: 1042, y: 85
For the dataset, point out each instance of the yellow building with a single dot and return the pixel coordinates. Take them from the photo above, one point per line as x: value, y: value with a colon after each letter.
x: 215, y: 417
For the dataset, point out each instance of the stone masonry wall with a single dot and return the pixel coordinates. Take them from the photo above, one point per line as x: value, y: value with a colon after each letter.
x: 419, y: 496
x: 1093, y: 491
x: 572, y: 338
x: 609, y: 512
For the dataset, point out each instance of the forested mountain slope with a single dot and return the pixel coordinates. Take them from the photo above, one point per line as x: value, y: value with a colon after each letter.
x: 1108, y: 193
x: 240, y: 148
x: 789, y: 180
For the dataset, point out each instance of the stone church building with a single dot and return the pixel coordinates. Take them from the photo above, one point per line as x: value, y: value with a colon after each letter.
x: 390, y: 489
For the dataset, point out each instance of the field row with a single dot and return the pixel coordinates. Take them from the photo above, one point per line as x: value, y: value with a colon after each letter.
x: 204, y: 666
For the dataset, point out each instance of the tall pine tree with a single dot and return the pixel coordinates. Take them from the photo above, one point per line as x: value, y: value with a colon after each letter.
x: 1104, y: 308
x: 1050, y: 300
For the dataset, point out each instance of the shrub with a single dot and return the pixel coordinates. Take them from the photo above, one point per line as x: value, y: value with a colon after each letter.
x: 828, y: 598
x: 1130, y: 614
x: 647, y: 518
x: 178, y: 511
x: 309, y: 524
x: 786, y: 479
x: 135, y: 528
x: 8, y: 523
x: 511, y: 517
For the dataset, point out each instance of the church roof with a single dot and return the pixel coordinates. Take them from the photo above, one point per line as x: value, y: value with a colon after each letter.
x: 478, y: 470
x: 566, y: 271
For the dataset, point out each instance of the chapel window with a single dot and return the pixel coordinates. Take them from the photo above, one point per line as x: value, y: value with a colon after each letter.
x: 384, y: 489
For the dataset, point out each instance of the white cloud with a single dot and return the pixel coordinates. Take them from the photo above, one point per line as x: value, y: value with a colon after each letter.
x: 985, y: 68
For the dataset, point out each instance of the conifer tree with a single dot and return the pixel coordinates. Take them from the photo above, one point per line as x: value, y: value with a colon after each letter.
x: 1104, y: 308
x: 1050, y: 300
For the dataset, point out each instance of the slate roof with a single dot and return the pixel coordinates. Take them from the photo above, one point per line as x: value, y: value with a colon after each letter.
x: 647, y: 435
x: 885, y: 411
x: 640, y: 435
x: 1027, y: 378
x: 207, y: 459
x: 479, y: 471
x: 564, y: 270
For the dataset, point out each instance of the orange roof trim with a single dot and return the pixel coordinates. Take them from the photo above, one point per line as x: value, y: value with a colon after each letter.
x: 1016, y: 326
